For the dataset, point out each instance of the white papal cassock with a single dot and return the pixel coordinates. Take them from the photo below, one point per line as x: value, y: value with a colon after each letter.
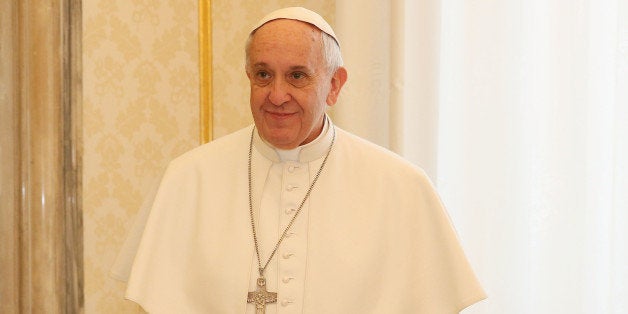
x: 372, y: 238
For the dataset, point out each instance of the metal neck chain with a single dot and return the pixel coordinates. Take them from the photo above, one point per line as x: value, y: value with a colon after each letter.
x: 294, y: 217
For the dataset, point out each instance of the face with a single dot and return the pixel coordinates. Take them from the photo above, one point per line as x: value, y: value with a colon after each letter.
x: 290, y: 83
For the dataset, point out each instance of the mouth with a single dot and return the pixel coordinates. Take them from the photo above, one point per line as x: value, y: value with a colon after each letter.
x: 280, y: 115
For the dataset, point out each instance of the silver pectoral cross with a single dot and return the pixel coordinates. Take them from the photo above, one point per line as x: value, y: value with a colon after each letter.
x: 261, y: 297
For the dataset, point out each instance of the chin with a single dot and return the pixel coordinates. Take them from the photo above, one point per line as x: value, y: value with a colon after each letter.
x: 279, y: 139
x: 283, y: 143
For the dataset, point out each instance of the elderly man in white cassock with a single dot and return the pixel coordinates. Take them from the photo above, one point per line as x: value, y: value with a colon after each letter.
x: 293, y: 214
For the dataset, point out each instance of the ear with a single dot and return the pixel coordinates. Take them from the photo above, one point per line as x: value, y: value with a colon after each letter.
x: 337, y: 81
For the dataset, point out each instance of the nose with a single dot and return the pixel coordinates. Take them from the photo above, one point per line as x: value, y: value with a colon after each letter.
x: 279, y: 92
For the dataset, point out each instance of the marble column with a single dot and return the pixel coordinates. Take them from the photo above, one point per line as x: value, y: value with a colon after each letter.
x: 41, y: 252
x: 8, y: 174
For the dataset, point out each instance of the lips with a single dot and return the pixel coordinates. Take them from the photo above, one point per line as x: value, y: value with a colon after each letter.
x: 280, y: 115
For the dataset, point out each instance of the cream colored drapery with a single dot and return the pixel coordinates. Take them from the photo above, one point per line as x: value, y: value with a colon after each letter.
x: 519, y: 111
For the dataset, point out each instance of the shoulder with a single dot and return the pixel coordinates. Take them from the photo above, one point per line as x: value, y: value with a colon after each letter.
x: 227, y: 149
x: 370, y: 157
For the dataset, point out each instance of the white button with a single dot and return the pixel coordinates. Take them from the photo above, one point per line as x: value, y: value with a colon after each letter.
x: 287, y: 255
x: 290, y: 234
x: 291, y: 169
x: 290, y: 211
x: 291, y: 187
x: 287, y: 279
x: 286, y: 302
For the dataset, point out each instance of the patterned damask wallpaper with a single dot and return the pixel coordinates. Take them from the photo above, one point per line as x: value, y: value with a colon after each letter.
x: 141, y: 98
x: 140, y: 63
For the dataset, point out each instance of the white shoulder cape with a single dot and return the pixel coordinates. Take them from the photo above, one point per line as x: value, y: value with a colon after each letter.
x: 379, y: 239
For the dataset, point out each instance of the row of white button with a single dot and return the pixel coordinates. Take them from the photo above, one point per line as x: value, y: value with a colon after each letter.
x: 286, y: 302
x: 288, y: 255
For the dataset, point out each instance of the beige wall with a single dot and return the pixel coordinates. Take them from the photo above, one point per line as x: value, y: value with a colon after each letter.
x: 140, y: 109
x: 140, y: 61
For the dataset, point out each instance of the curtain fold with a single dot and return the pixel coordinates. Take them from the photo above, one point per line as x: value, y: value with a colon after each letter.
x: 518, y: 110
x: 364, y: 41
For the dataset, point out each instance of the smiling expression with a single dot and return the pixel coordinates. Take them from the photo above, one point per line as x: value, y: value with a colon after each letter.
x: 290, y: 82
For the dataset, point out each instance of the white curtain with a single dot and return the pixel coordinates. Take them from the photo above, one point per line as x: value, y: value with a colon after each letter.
x: 518, y: 110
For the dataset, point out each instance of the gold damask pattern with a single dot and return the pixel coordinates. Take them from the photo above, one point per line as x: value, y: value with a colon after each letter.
x: 140, y: 60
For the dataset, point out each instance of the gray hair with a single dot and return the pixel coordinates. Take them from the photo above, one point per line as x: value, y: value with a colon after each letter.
x: 331, y: 51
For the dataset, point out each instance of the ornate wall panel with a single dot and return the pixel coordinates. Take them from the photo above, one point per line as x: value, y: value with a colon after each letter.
x: 141, y: 109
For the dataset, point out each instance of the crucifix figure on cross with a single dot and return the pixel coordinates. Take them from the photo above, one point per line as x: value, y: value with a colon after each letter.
x: 261, y: 297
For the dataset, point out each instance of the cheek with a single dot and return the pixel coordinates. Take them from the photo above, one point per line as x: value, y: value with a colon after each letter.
x: 258, y: 94
x: 320, y: 101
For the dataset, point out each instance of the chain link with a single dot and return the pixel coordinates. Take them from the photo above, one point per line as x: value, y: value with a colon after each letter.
x: 294, y: 217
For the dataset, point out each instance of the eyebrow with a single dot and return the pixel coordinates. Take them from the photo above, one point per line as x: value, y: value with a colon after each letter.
x: 260, y: 65
x: 300, y: 68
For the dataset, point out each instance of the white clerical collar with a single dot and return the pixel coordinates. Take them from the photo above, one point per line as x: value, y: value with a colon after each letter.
x: 304, y: 153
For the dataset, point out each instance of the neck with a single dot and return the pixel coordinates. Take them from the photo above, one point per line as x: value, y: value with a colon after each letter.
x: 303, y: 153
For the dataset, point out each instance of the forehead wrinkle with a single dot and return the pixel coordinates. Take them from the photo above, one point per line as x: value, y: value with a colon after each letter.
x: 286, y: 45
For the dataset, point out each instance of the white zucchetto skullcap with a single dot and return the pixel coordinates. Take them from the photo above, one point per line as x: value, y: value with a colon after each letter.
x: 299, y: 14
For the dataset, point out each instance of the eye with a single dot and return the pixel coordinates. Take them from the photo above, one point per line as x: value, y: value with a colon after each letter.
x: 298, y: 79
x: 297, y: 75
x: 262, y: 75
x: 262, y: 78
